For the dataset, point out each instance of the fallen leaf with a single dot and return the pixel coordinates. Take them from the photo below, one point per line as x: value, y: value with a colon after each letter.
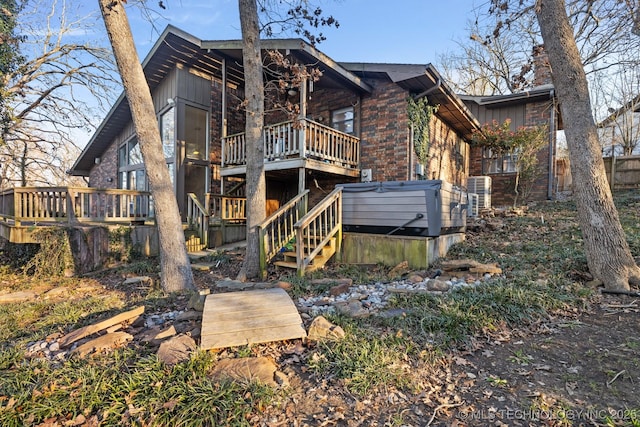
x: 542, y: 367
x: 170, y: 404
x: 461, y: 361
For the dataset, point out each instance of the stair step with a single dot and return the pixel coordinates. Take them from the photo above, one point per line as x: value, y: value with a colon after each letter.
x: 286, y: 264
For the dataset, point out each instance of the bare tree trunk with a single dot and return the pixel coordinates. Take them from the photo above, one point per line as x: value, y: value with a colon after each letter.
x: 608, y: 253
x: 175, y: 269
x: 254, y: 95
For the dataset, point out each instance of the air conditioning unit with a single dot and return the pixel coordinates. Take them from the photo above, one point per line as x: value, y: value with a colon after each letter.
x: 472, y: 210
x: 480, y: 185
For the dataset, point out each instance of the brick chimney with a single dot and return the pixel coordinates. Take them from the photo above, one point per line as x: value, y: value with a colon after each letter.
x: 541, y: 67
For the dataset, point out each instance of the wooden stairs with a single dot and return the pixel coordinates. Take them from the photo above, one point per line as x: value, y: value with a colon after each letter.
x: 291, y: 258
x: 193, y: 241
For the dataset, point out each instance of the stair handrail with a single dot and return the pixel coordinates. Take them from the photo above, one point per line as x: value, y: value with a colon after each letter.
x: 321, y: 223
x: 198, y: 218
x: 278, y: 229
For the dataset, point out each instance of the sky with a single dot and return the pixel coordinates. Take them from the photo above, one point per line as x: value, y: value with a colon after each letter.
x: 400, y: 31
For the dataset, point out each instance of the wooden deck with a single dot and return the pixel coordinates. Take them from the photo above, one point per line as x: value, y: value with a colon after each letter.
x: 293, y: 145
x: 249, y: 317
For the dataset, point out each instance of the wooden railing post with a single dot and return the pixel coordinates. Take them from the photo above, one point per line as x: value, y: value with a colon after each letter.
x: 263, y: 252
x: 17, y: 211
x: 70, y: 206
x: 302, y: 138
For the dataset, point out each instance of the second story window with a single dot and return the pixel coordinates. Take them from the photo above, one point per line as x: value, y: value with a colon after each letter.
x: 131, y: 174
x: 342, y: 120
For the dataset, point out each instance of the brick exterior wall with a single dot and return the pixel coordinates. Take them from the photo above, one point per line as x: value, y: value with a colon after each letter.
x: 322, y: 102
x: 105, y: 175
x: 448, y: 154
x: 502, y: 185
x: 235, y: 124
x: 384, y: 143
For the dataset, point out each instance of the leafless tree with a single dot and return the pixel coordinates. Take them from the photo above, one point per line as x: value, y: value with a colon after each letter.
x: 497, y: 58
x: 57, y: 93
x: 620, y: 130
x: 484, y: 64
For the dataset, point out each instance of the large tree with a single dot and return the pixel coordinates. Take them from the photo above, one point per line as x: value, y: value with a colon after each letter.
x: 608, y: 253
x: 176, y: 274
x: 302, y: 18
x: 9, y: 58
x: 254, y: 97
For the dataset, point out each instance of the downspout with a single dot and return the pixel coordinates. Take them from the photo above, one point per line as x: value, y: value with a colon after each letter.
x: 412, y: 175
x: 430, y: 90
x: 552, y: 146
x: 411, y: 134
x: 223, y: 119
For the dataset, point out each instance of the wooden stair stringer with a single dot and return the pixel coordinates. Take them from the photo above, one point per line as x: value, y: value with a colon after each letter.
x: 290, y: 258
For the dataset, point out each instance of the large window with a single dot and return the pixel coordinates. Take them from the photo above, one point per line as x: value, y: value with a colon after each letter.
x: 495, y: 163
x: 168, y: 137
x: 131, y: 174
x: 131, y: 171
x: 195, y: 133
x: 342, y: 120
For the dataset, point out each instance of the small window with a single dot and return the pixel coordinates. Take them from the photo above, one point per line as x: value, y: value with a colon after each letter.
x: 122, y: 156
x: 135, y: 155
x: 342, y: 120
x: 459, y: 154
x: 495, y: 163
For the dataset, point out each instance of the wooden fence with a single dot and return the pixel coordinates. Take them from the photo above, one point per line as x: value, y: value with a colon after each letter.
x: 623, y: 172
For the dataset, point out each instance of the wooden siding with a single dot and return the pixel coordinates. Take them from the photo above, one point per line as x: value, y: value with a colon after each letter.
x: 193, y: 88
x: 517, y: 114
x: 167, y: 89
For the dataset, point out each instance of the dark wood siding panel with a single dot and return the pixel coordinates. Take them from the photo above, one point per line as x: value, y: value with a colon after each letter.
x: 167, y: 89
x: 194, y: 88
x: 517, y: 114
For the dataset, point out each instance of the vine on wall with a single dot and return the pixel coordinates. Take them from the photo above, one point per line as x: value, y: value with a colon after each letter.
x: 420, y: 114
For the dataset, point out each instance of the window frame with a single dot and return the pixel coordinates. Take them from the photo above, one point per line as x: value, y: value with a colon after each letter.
x: 493, y: 164
x: 343, y: 124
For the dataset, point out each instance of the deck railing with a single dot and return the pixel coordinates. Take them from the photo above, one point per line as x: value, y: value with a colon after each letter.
x: 70, y: 204
x: 198, y: 218
x: 278, y: 229
x: 227, y: 208
x: 284, y: 141
x: 317, y: 228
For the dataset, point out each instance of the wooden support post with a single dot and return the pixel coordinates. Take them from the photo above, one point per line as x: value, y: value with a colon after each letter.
x: 613, y: 172
x: 301, y: 180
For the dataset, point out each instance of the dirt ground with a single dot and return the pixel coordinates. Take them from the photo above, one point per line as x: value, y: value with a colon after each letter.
x: 581, y: 368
